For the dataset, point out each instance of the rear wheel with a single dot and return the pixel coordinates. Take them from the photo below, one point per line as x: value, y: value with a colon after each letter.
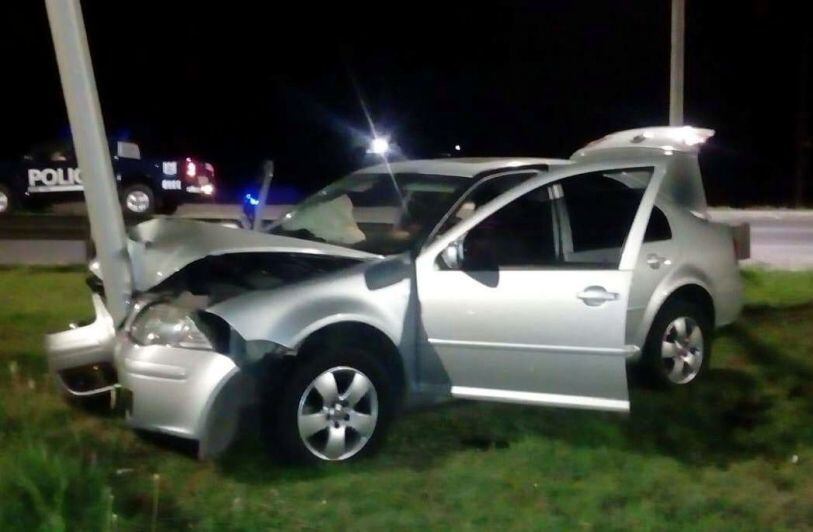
x: 678, y: 347
x: 6, y: 200
x: 333, y: 407
x: 138, y: 199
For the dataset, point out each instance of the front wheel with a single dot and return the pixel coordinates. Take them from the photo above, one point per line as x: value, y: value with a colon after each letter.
x: 678, y: 347
x: 333, y: 408
x: 138, y: 199
x: 6, y: 200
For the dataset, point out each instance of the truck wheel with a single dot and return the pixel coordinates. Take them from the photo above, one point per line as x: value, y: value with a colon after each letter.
x: 6, y: 200
x: 138, y: 199
x: 678, y: 348
x: 334, y: 407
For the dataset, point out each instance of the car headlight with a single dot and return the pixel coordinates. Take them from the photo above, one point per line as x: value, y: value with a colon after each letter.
x: 165, y: 324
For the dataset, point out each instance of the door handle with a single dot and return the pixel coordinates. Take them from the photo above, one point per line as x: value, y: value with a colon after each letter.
x: 655, y: 261
x: 594, y: 296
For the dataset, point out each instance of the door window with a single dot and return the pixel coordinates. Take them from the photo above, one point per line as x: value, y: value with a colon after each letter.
x: 658, y: 228
x: 519, y: 235
x: 597, y: 210
x: 482, y: 193
x: 580, y: 221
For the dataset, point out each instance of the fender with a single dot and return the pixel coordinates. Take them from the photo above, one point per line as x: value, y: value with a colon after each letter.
x: 288, y: 315
x: 684, y: 276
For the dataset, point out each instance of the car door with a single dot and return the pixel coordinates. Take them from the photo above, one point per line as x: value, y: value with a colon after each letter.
x: 526, y: 300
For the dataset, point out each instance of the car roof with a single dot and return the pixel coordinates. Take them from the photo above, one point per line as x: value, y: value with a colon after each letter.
x: 462, y: 167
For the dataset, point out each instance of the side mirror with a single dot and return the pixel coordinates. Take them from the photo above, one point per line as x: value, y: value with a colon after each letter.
x: 453, y: 256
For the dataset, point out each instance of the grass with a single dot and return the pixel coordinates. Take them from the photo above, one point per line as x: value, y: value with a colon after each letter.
x: 735, y: 453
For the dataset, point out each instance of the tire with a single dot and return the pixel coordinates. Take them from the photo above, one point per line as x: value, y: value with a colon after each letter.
x: 677, y: 351
x: 300, y: 407
x: 138, y: 200
x: 7, y: 203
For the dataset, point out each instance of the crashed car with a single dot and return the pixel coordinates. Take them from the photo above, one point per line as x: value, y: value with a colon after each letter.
x: 531, y: 281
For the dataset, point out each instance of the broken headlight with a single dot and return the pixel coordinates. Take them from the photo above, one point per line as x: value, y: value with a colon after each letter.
x: 165, y: 324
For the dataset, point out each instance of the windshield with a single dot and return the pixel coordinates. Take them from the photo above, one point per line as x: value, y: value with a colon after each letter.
x: 367, y: 212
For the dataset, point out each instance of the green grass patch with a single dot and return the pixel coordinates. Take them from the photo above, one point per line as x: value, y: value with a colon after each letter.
x: 735, y: 453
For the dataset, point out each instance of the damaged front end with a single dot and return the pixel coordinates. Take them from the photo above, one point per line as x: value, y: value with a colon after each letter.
x: 173, y: 367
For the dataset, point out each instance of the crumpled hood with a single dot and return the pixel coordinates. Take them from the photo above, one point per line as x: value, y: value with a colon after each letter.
x: 160, y: 247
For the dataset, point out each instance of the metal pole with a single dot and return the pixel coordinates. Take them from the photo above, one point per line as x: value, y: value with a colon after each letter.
x: 676, y: 63
x: 92, y: 151
x: 268, y: 175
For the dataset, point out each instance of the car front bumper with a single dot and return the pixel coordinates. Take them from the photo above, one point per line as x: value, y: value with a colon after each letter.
x: 187, y: 393
x: 183, y: 392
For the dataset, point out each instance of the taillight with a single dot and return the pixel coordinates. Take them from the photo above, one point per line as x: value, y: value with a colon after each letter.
x: 741, y: 237
x: 191, y: 168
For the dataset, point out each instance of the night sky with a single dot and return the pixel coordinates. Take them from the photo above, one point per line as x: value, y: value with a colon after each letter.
x: 238, y: 82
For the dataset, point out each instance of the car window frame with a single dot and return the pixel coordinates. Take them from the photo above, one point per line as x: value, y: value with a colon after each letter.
x: 668, y: 225
x: 479, y: 181
x: 565, y: 215
x: 634, y: 239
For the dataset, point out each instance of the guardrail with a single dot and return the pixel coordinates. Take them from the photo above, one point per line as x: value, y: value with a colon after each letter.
x: 47, y: 239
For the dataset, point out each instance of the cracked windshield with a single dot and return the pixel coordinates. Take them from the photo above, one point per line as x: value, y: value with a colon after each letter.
x: 378, y: 213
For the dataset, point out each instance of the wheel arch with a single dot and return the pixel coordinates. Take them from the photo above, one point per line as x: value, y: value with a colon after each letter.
x: 694, y: 293
x: 131, y: 178
x: 693, y: 290
x: 361, y: 334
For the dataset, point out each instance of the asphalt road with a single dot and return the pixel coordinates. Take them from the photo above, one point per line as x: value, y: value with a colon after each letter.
x: 780, y: 239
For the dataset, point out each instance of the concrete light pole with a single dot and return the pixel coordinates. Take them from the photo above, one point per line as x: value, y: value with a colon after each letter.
x: 677, y: 63
x: 92, y: 151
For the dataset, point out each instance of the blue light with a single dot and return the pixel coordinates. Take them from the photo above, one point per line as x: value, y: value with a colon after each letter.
x: 252, y: 200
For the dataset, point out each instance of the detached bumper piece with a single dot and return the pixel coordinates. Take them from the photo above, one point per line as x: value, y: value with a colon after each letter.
x: 81, y: 358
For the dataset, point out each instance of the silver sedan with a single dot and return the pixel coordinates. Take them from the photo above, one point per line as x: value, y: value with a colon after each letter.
x: 532, y: 281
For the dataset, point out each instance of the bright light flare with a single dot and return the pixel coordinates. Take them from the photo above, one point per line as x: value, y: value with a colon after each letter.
x: 379, y: 146
x: 689, y: 136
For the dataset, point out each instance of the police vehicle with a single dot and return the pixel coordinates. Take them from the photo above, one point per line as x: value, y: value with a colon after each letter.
x: 49, y: 174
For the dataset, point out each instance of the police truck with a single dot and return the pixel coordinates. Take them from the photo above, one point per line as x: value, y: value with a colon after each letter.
x: 49, y: 174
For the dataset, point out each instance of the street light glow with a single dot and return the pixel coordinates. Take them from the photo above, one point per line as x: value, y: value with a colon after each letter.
x: 379, y: 146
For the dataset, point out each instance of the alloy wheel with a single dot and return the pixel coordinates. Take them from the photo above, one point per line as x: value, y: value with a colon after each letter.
x: 338, y: 413
x: 682, y: 350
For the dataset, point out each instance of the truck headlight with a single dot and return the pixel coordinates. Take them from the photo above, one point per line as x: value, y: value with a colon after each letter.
x: 165, y: 324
